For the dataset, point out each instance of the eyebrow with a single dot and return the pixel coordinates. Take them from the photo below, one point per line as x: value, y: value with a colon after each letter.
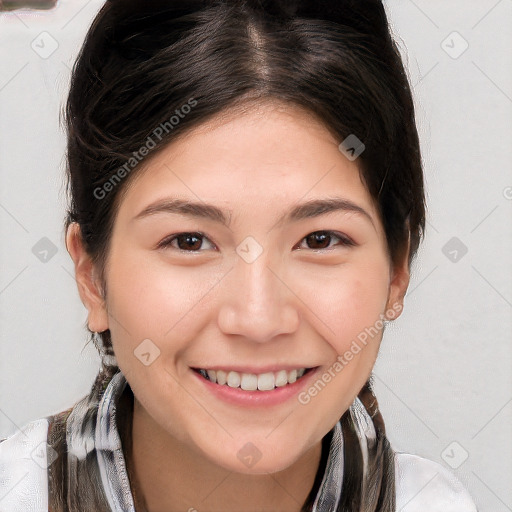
x: 308, y: 210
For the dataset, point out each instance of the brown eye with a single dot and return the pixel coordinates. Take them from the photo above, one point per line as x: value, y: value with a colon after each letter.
x: 322, y: 239
x: 188, y: 242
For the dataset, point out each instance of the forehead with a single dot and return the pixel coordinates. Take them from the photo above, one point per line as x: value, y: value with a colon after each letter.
x: 268, y: 154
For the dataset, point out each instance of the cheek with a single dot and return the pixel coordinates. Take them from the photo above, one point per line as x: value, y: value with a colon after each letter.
x: 152, y: 301
x: 349, y: 303
x: 350, y: 307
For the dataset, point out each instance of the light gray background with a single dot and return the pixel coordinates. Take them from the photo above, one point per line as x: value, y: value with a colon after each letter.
x: 444, y: 372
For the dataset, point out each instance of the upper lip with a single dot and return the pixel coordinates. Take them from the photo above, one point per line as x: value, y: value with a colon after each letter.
x: 253, y: 369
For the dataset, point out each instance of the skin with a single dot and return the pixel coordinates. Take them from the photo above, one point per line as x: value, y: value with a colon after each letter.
x: 300, y: 306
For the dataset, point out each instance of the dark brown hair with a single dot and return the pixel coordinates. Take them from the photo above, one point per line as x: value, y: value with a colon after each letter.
x: 157, y: 69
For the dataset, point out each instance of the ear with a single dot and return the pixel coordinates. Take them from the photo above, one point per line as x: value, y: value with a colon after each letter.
x: 89, y: 287
x: 399, y: 282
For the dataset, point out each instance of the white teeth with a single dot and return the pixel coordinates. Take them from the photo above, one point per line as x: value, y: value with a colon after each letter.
x: 251, y: 382
x: 234, y: 379
x: 266, y: 381
x: 222, y: 377
x: 281, y: 378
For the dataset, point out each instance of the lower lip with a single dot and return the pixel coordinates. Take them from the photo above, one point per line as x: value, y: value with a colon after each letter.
x: 238, y: 396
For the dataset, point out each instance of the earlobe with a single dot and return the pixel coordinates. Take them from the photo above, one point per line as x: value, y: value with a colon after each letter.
x: 397, y: 291
x: 88, y: 285
x: 400, y: 277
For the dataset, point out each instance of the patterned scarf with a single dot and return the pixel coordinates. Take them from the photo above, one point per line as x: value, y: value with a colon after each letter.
x: 92, y: 441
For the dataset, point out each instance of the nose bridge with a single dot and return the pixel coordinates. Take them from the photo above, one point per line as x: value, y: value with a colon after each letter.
x: 258, y: 304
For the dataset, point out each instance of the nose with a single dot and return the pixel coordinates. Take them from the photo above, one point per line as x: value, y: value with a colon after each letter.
x: 257, y: 303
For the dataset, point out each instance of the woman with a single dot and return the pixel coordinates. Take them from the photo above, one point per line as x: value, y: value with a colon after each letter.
x: 246, y: 200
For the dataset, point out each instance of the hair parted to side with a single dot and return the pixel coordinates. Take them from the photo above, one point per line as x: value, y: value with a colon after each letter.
x: 143, y: 62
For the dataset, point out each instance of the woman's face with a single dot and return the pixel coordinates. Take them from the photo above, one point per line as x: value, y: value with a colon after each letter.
x: 258, y: 294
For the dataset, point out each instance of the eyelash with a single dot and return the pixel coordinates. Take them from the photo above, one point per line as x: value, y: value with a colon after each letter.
x: 345, y: 241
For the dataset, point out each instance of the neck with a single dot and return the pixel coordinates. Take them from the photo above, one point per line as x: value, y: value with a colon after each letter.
x: 165, y: 474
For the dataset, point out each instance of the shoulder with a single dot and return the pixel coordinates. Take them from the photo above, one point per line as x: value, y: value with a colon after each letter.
x: 422, y: 484
x: 23, y: 469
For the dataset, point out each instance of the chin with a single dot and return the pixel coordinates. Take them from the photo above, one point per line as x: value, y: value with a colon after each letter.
x: 255, y: 459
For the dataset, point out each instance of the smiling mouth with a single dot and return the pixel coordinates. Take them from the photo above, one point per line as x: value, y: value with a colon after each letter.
x: 253, y: 382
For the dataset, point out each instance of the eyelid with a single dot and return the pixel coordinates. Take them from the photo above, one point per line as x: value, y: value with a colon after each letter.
x: 166, y: 242
x: 345, y: 240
